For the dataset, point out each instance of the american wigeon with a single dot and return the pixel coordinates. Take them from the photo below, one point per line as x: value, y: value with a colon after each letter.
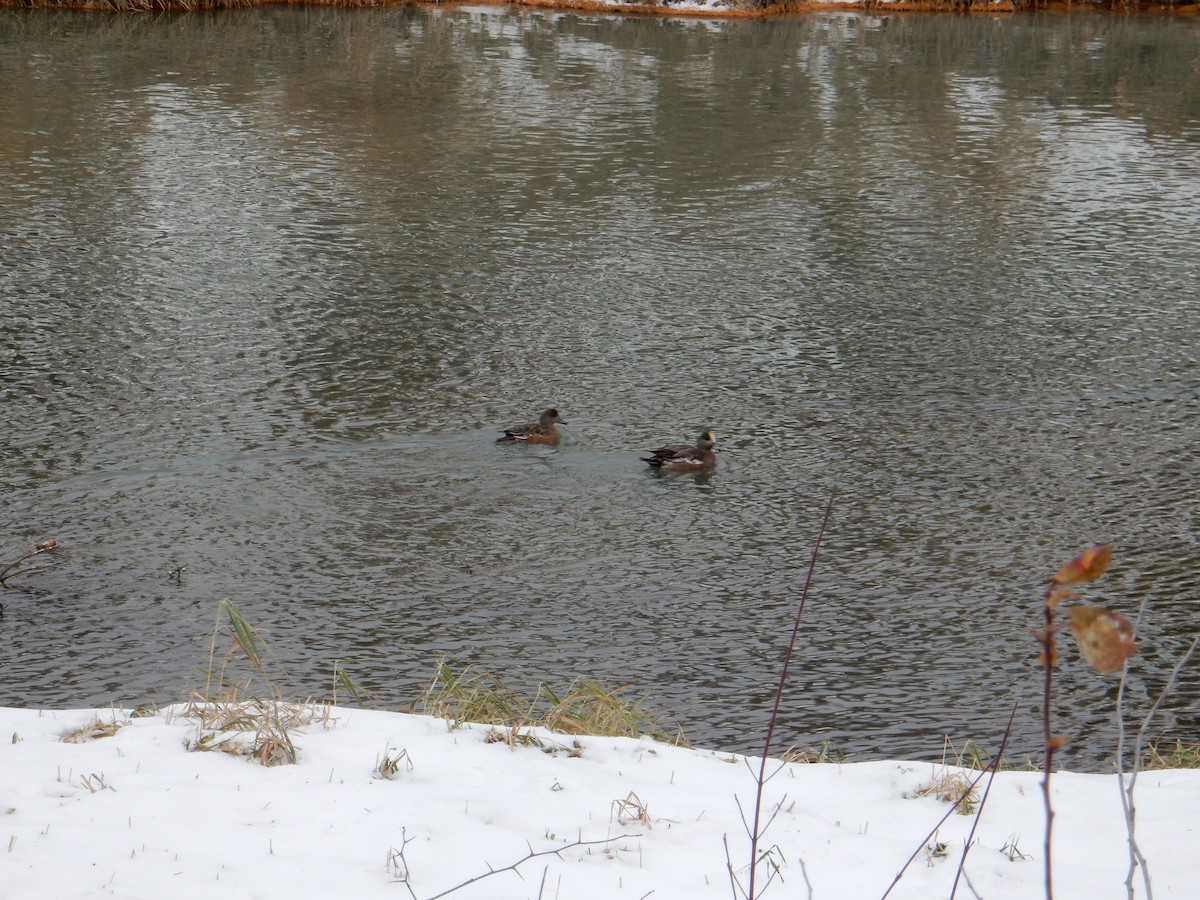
x: 543, y: 431
x: 685, y: 457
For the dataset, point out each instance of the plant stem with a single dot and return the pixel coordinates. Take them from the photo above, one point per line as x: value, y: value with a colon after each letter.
x: 783, y: 673
x: 991, y: 768
x: 1047, y: 639
x: 994, y: 767
x: 1136, y: 858
x: 534, y: 854
x: 7, y: 572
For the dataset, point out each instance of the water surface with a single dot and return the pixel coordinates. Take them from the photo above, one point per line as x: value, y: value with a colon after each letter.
x: 272, y: 281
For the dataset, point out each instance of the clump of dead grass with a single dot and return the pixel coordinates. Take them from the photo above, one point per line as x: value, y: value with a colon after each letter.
x: 587, y: 708
x: 468, y: 694
x: 93, y: 730
x: 1168, y: 756
x: 952, y: 785
x: 391, y: 763
x: 241, y: 710
x: 825, y: 752
x: 251, y: 726
x: 631, y: 810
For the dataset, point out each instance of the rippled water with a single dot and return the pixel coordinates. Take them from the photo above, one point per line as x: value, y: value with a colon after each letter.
x: 271, y: 282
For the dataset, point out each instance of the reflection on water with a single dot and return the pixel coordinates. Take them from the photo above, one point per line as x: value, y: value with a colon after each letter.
x: 273, y: 280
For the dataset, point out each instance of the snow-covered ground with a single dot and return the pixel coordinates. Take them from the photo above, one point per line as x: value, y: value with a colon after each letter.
x: 389, y: 805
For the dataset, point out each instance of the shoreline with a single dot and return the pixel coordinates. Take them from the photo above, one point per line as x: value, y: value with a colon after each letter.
x: 712, y: 9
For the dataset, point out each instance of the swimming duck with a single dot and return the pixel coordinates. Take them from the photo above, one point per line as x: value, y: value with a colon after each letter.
x: 684, y: 457
x: 543, y: 431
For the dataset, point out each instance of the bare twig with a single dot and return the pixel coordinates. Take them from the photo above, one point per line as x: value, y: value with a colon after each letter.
x: 758, y: 828
x: 733, y: 883
x: 1048, y: 660
x: 1136, y: 858
x: 532, y: 854
x: 995, y: 766
x: 7, y: 572
x: 1106, y: 644
x: 399, y: 865
x: 1127, y: 805
x: 991, y: 767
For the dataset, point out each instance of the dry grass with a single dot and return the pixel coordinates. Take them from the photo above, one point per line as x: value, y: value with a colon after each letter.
x: 586, y: 708
x: 94, y: 730
x: 241, y: 710
x: 250, y: 726
x: 952, y: 786
x: 952, y: 783
x: 973, y: 755
x: 391, y: 763
x: 631, y: 810
x: 827, y: 752
x: 1177, y: 756
x: 471, y: 695
x: 343, y: 681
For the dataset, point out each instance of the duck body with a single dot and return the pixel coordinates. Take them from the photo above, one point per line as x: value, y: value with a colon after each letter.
x: 543, y: 431
x: 685, y: 457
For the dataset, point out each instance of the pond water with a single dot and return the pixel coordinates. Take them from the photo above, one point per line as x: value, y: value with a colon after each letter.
x: 271, y: 283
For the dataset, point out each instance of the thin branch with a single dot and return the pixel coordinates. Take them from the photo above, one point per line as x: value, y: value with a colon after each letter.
x: 404, y: 874
x: 1086, y: 566
x: 774, y: 813
x: 1127, y: 806
x: 990, y: 768
x: 983, y: 801
x: 1135, y: 854
x: 734, y: 887
x: 7, y: 572
x: 532, y: 854
x: 1049, y: 654
x: 756, y: 831
x: 804, y: 873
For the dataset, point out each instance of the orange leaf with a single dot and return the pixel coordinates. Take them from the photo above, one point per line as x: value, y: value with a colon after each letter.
x: 1058, y: 742
x: 1105, y: 638
x: 1087, y: 566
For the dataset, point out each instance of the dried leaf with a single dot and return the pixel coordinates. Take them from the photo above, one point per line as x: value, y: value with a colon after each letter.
x: 1058, y: 742
x: 1087, y: 566
x: 1105, y: 638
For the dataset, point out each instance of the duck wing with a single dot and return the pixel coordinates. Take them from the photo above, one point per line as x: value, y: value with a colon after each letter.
x: 520, y: 432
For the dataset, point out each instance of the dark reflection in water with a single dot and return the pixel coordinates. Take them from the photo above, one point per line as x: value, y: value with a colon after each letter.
x: 271, y: 281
